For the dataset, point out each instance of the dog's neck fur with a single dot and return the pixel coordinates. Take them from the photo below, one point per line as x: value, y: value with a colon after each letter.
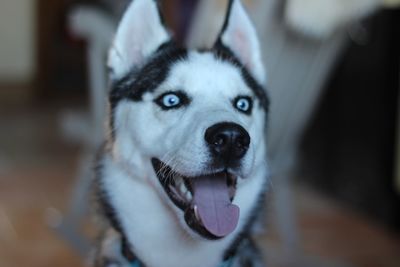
x: 150, y: 227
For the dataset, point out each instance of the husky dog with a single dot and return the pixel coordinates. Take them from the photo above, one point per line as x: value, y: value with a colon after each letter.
x: 182, y: 177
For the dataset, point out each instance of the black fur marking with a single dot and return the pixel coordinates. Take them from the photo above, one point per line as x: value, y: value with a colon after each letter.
x: 102, y: 198
x: 146, y: 79
x: 134, y: 85
x: 106, y: 208
x: 227, y: 18
x: 224, y: 53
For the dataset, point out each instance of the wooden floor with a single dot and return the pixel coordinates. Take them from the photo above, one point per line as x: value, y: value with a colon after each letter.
x: 37, y: 171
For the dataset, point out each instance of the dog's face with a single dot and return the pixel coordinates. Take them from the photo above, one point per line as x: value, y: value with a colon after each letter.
x: 189, y: 123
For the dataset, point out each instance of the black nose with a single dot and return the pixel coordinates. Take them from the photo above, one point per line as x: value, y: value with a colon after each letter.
x: 228, y: 142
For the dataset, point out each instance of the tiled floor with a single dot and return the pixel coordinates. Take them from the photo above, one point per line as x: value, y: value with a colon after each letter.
x: 37, y: 171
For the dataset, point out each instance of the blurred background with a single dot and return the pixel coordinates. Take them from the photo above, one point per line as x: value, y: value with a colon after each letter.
x: 333, y: 78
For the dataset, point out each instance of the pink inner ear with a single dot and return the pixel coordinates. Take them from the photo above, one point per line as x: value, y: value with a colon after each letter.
x: 241, y: 47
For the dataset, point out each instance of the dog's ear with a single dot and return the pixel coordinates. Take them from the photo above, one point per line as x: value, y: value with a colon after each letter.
x: 140, y: 33
x: 239, y: 35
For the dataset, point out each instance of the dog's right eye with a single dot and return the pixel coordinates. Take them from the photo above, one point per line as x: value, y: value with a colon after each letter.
x: 172, y: 100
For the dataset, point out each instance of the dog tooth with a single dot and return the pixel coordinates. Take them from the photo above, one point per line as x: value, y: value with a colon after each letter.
x: 196, y: 212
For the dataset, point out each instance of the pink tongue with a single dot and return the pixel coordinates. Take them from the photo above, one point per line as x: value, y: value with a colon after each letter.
x: 211, y: 196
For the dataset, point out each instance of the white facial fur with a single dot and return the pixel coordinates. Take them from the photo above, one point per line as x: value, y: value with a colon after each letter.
x: 177, y: 136
x: 144, y: 130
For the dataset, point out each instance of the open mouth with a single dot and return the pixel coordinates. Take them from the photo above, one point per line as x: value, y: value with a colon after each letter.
x: 206, y: 200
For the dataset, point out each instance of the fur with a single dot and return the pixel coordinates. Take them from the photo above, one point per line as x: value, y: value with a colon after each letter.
x: 146, y: 65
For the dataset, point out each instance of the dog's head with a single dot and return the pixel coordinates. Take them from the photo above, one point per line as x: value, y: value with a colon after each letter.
x: 189, y: 122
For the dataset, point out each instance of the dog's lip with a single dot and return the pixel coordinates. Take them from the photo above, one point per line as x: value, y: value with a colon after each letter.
x: 166, y: 175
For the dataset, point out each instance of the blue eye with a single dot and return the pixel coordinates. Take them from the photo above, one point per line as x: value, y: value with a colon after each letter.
x: 172, y: 100
x: 243, y: 104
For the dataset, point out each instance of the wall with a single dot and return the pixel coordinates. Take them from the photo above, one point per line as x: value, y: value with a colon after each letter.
x: 17, y: 41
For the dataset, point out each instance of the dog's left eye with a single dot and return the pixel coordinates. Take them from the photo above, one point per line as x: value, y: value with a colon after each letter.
x: 172, y: 100
x: 243, y: 104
